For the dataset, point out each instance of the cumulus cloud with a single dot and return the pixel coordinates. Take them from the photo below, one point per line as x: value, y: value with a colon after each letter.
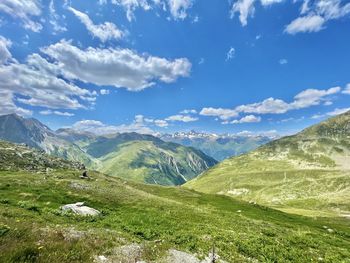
x: 5, y: 54
x: 56, y: 112
x: 223, y: 114
x: 104, y: 91
x: 8, y: 106
x: 181, y: 118
x: 24, y: 10
x: 335, y: 112
x: 97, y: 127
x: 55, y: 19
x: 310, y: 23
x: 245, y: 8
x: 270, y: 2
x: 161, y: 123
x: 35, y: 83
x: 104, y: 32
x: 178, y: 8
x: 314, y: 15
x: 347, y: 89
x: 247, y: 119
x: 304, y: 99
x: 192, y: 111
x: 121, y: 68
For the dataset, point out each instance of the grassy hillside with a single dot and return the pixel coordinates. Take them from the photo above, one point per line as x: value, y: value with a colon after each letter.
x: 153, y: 218
x: 18, y: 157
x: 306, y: 173
x: 145, y: 158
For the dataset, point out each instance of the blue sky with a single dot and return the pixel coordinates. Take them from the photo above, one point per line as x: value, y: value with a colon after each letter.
x: 174, y: 65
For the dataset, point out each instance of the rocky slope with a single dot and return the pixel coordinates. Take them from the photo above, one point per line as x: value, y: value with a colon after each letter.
x: 15, y: 157
x: 307, y: 171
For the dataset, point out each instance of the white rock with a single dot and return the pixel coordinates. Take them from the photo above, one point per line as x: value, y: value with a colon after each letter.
x: 80, y: 209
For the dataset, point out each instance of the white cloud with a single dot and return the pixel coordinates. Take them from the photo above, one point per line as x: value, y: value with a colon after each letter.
x: 8, y: 106
x: 161, y: 123
x: 247, y: 119
x: 310, y: 23
x: 245, y: 8
x: 335, y: 112
x: 230, y: 53
x: 5, y: 54
x: 347, y: 89
x: 24, y: 10
x: 104, y: 91
x: 104, y: 32
x: 178, y: 8
x: 223, y: 114
x: 270, y: 105
x: 188, y: 112
x: 270, y: 2
x: 316, y: 13
x: 55, y: 112
x: 97, y: 127
x: 36, y: 83
x: 312, y: 97
x: 313, y: 14
x: 131, y: 5
x: 115, y: 67
x: 181, y: 118
x: 55, y: 18
x: 304, y: 99
x: 338, y: 111
x: 283, y: 61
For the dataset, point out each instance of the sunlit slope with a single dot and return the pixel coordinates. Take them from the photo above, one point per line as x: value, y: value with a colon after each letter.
x: 305, y: 171
x: 33, y: 229
x: 144, y: 158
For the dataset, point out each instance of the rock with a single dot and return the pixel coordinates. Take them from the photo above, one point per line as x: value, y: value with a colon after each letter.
x: 80, y: 209
x: 176, y: 256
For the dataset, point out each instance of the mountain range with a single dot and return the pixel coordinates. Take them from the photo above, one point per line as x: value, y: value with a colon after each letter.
x: 219, y: 146
x: 142, y: 158
x: 305, y: 173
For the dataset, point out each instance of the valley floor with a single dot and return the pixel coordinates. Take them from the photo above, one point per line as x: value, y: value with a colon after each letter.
x: 153, y: 224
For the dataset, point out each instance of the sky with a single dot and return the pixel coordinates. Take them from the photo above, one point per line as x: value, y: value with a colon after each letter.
x: 175, y: 65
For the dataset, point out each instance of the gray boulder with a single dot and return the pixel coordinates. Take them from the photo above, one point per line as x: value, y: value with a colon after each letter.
x: 80, y: 209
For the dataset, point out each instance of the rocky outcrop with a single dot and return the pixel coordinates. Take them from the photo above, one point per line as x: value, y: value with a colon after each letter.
x: 80, y: 209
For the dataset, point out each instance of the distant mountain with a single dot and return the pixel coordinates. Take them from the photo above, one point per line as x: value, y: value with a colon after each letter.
x: 72, y: 135
x: 217, y: 146
x: 142, y: 158
x: 14, y: 128
x: 306, y: 171
x: 145, y: 158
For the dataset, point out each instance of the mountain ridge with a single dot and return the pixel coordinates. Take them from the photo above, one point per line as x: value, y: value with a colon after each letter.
x: 306, y: 173
x: 140, y: 157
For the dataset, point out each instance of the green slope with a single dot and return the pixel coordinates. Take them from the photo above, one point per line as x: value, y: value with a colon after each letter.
x: 33, y: 229
x: 19, y: 157
x: 306, y: 173
x: 138, y: 157
x: 144, y: 158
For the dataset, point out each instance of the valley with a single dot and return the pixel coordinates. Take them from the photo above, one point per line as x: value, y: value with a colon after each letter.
x: 150, y: 223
